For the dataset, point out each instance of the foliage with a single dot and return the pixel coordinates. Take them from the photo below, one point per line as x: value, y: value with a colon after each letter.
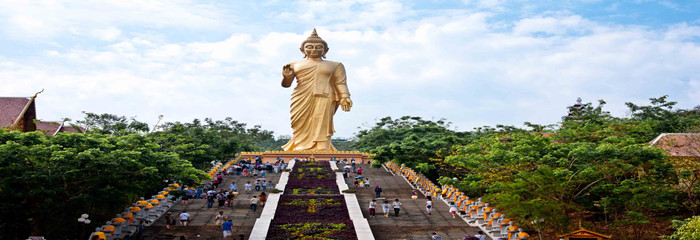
x: 311, y: 208
x: 592, y: 167
x: 112, y: 124
x: 410, y: 140
x: 662, y: 117
x: 312, y: 230
x: 275, y: 144
x: 312, y: 178
x: 199, y: 142
x: 560, y: 176
x: 274, y: 190
x: 48, y: 180
x: 342, y: 144
x: 203, y: 142
x: 688, y: 229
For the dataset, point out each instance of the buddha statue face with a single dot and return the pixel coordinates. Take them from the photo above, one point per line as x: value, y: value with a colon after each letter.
x: 314, y: 50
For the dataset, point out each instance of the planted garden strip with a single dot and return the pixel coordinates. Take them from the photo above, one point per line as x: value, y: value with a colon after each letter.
x: 312, y: 206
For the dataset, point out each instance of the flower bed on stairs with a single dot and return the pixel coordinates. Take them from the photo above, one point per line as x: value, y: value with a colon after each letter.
x: 312, y: 206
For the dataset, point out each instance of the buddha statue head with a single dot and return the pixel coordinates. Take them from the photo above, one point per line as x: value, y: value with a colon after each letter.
x: 314, y: 46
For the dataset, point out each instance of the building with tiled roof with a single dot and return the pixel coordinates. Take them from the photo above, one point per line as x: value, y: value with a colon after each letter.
x: 679, y: 145
x: 19, y: 113
x: 54, y: 127
x: 683, y: 151
x: 49, y: 128
x: 73, y: 129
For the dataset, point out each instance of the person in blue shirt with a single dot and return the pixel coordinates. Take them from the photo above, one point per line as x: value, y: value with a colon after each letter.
x: 233, y: 187
x: 228, y: 228
x: 199, y: 192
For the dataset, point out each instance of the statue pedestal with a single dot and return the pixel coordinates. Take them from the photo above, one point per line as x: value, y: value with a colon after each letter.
x: 271, y: 156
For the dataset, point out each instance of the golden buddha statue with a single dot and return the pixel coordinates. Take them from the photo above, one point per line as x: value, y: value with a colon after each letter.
x: 321, y: 88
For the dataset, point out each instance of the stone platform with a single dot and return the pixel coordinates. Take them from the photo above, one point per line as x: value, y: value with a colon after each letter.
x: 271, y: 156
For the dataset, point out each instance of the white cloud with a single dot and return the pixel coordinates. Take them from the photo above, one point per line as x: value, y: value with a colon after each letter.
x: 694, y: 91
x: 347, y: 13
x: 458, y: 65
x: 46, y: 19
x: 497, y: 5
x: 107, y: 34
x: 552, y: 25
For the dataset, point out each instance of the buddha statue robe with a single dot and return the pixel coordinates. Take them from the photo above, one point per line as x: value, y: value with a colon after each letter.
x: 315, y: 99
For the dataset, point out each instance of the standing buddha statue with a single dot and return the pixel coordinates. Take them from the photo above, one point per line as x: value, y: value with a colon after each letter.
x: 321, y: 89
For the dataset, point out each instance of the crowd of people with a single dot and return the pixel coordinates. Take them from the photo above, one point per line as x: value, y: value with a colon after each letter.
x: 222, y: 197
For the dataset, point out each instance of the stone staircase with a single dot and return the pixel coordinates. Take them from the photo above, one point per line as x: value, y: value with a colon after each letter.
x: 413, y: 222
x: 202, y: 223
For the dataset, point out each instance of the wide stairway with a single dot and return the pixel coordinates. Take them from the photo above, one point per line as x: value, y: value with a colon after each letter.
x: 203, y: 223
x: 413, y: 221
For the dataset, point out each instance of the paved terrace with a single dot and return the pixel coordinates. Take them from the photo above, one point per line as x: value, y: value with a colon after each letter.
x: 203, y: 218
x: 413, y: 221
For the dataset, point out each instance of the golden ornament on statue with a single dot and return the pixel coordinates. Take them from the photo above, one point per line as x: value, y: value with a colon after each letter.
x: 321, y: 88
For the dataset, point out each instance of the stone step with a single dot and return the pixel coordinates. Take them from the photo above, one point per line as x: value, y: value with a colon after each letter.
x: 413, y: 221
x: 203, y: 218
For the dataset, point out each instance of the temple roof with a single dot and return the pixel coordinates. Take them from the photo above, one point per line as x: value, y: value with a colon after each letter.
x: 14, y: 110
x: 72, y: 129
x: 582, y: 233
x: 49, y: 128
x: 679, y: 144
x: 54, y: 127
x: 11, y: 108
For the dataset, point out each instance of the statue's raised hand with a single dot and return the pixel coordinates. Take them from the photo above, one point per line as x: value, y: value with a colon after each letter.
x: 346, y: 104
x: 288, y: 71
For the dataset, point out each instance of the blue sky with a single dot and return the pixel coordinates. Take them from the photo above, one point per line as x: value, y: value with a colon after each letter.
x: 473, y: 62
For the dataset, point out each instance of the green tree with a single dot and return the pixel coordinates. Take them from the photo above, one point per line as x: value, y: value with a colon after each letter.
x: 47, y: 182
x: 210, y: 140
x: 663, y: 118
x: 553, y: 179
x: 411, y: 141
x: 688, y: 229
x: 112, y: 124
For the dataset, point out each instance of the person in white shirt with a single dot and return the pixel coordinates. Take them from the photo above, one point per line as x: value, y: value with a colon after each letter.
x: 184, y: 218
x: 248, y: 187
x: 372, y: 208
x: 397, y: 207
x: 453, y: 209
x: 254, y: 203
x: 385, y: 208
x: 429, y: 205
